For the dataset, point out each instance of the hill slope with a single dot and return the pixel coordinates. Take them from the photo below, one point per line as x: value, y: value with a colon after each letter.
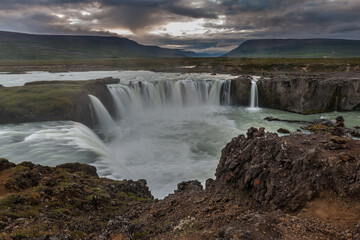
x: 294, y: 48
x: 20, y: 46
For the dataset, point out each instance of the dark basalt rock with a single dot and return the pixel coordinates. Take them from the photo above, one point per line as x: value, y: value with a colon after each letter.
x: 284, y: 173
x: 240, y: 91
x: 283, y: 130
x: 5, y: 164
x: 189, y: 186
x: 306, y: 93
x: 78, y: 167
x: 310, y: 93
x: 271, y: 119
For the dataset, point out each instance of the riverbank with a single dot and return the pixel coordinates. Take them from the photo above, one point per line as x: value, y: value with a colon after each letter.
x: 267, y: 187
x: 53, y: 101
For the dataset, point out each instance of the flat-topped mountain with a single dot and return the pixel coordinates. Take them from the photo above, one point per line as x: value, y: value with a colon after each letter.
x: 297, y: 48
x: 20, y: 46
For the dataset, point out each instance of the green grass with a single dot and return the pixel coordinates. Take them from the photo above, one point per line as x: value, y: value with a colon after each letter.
x: 173, y: 64
x: 34, y: 99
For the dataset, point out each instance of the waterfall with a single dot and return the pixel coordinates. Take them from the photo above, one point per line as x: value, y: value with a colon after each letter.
x: 336, y: 103
x: 226, y: 93
x: 106, y: 122
x: 86, y: 139
x: 254, y: 100
x: 337, y: 94
x: 138, y: 95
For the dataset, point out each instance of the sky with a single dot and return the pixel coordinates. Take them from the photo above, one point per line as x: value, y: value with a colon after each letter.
x: 204, y: 26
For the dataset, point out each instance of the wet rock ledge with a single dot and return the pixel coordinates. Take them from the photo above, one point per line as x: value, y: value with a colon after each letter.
x: 300, y: 186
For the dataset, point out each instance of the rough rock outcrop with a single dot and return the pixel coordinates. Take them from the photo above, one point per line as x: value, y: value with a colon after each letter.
x: 65, y: 202
x: 336, y: 127
x: 287, y: 172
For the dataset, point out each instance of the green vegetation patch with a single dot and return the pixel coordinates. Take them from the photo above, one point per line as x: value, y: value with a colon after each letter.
x: 220, y: 65
x: 56, y: 200
x: 44, y: 98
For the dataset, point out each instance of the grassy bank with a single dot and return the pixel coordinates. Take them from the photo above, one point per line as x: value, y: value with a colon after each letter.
x: 53, y: 100
x: 236, y: 65
x: 44, y: 98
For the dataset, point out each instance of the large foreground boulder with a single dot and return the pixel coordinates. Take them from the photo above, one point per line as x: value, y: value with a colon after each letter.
x: 287, y: 172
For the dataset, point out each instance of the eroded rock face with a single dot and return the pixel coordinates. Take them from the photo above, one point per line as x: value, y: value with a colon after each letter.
x: 305, y: 94
x: 311, y: 93
x: 287, y: 172
x: 240, y: 91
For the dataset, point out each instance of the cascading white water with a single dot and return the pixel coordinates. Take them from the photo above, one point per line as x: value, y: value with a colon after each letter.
x: 106, y: 122
x: 182, y: 93
x: 254, y: 100
x: 227, y: 93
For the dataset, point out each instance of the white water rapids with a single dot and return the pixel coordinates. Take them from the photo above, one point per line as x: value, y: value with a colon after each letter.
x: 168, y: 128
x: 254, y: 98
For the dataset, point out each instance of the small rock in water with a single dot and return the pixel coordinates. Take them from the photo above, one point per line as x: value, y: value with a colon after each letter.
x: 283, y: 130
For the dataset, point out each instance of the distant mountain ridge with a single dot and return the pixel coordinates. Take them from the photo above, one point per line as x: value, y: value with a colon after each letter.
x: 297, y: 48
x: 21, y: 46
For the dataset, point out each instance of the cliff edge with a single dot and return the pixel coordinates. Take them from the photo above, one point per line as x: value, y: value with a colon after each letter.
x: 302, y: 93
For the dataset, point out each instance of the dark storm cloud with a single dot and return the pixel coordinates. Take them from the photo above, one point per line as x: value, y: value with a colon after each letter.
x: 229, y: 22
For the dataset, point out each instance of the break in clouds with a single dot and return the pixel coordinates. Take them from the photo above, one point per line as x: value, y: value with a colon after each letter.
x: 214, y: 26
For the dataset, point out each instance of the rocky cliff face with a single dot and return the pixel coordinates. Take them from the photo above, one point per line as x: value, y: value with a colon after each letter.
x: 287, y: 172
x: 240, y: 91
x: 304, y: 94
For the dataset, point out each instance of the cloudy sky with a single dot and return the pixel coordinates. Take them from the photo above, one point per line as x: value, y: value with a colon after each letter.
x: 213, y: 26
